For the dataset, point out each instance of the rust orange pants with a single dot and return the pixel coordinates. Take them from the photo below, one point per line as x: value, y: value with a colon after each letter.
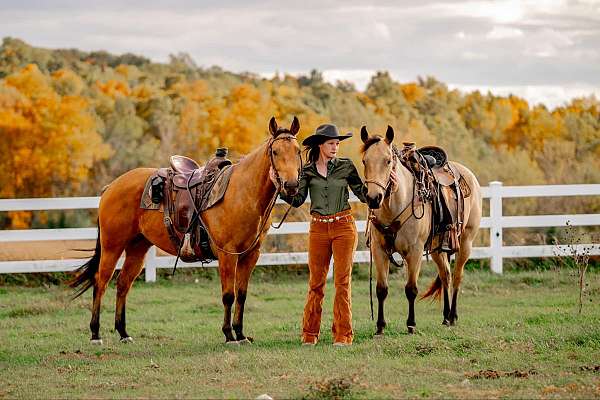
x: 337, y: 238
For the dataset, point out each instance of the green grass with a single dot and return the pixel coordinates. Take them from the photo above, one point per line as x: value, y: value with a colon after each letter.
x: 519, y: 336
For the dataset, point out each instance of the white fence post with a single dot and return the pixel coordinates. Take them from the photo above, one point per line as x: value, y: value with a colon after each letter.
x: 150, y: 265
x: 496, y: 226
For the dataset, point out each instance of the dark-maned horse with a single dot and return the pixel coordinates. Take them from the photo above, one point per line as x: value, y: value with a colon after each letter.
x: 379, y: 158
x: 237, y: 226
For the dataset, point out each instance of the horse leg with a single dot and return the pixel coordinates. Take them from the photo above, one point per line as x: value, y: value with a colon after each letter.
x: 464, y: 252
x: 227, y: 267
x: 134, y: 262
x: 413, y: 261
x: 382, y: 264
x: 243, y: 271
x: 108, y: 263
x: 444, y: 274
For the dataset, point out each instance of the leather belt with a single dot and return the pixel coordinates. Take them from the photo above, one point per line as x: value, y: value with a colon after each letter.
x: 331, y: 218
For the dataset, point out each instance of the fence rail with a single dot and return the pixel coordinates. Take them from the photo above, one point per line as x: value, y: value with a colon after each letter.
x: 496, y: 222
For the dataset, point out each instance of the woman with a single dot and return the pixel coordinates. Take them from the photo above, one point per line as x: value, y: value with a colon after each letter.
x: 332, y: 231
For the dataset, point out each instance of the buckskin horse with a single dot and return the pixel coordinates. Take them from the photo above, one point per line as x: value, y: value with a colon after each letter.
x: 403, y: 222
x: 236, y: 225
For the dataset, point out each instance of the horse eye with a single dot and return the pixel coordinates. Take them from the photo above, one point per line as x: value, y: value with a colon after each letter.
x: 389, y: 162
x: 274, y: 152
x: 363, y: 161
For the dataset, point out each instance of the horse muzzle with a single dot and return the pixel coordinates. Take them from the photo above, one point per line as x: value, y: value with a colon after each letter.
x: 290, y: 188
x: 374, y: 202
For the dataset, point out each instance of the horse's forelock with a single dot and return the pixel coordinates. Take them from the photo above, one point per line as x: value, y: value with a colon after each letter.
x: 282, y: 130
x: 370, y: 141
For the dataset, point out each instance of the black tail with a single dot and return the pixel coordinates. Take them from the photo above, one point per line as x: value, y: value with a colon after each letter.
x: 85, y: 277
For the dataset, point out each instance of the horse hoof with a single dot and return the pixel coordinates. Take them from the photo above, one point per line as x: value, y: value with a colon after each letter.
x: 411, y: 329
x: 127, y: 339
x: 446, y: 322
x: 453, y: 322
x: 232, y: 343
x: 378, y: 336
x: 244, y: 341
x: 96, y: 342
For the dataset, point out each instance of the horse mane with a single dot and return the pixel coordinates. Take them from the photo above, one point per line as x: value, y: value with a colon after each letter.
x: 370, y: 141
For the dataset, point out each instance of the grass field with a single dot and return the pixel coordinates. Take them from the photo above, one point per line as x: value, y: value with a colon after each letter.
x: 519, y: 336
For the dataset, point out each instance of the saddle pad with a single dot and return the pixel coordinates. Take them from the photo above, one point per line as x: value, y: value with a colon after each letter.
x: 146, y: 201
x: 220, y: 186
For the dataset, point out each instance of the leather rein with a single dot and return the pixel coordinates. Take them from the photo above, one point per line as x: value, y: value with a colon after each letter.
x: 284, y: 135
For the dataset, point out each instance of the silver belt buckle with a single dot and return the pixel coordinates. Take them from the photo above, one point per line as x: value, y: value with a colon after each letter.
x: 330, y: 220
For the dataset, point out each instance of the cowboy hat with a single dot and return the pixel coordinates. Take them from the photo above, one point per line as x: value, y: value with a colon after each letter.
x: 323, y: 133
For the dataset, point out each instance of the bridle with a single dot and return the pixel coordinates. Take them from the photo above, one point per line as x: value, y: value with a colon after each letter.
x: 283, y: 135
x: 387, y: 187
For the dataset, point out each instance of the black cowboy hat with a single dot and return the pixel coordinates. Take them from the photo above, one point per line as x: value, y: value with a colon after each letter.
x: 323, y: 133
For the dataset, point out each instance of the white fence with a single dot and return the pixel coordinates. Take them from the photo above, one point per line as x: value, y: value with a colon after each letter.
x: 496, y: 222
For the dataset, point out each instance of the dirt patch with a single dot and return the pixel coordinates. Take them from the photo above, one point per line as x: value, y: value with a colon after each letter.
x: 590, y: 368
x: 493, y: 374
x: 46, y: 250
x: 335, y: 388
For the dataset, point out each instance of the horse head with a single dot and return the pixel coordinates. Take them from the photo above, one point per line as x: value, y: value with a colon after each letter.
x: 284, y: 152
x: 378, y: 160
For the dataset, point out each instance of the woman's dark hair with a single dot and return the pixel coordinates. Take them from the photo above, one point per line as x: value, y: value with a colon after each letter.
x: 312, y: 153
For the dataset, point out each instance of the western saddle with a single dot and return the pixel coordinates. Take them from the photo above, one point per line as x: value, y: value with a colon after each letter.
x: 184, y: 190
x: 441, y: 184
x: 436, y: 182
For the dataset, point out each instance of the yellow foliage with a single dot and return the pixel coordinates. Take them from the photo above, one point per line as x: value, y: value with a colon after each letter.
x: 20, y: 219
x: 413, y: 92
x: 67, y: 82
x: 143, y: 92
x: 49, y: 141
x: 114, y: 88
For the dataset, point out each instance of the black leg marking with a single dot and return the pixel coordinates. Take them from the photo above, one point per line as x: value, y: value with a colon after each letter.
x: 446, y: 308
x: 95, y: 321
x: 228, y: 299
x: 238, y: 326
x: 382, y: 292
x: 120, y: 323
x: 453, y: 317
x: 411, y: 295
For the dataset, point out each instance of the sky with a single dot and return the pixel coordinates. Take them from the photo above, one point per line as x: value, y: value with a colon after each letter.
x: 546, y: 51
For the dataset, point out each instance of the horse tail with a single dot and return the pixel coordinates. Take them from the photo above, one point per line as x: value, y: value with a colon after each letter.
x: 435, y: 290
x: 86, y: 274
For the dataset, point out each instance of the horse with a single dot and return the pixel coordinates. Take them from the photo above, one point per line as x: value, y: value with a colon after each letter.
x: 236, y: 226
x: 379, y: 158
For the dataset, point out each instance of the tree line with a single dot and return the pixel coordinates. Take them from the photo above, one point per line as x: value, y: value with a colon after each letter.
x: 72, y: 121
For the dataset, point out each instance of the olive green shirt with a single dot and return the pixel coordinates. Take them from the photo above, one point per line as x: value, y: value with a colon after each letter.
x: 328, y: 195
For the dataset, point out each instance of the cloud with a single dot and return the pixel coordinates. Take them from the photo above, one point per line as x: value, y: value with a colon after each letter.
x: 503, y: 32
x: 500, y: 43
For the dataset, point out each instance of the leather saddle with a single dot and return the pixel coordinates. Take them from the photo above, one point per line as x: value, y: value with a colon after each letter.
x: 184, y: 190
x: 440, y: 183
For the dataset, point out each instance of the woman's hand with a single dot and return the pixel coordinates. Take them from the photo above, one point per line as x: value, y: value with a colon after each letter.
x: 393, y: 181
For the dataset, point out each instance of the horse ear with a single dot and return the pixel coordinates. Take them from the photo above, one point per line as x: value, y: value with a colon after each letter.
x: 295, y: 126
x: 364, y: 135
x: 389, y: 135
x: 273, y: 126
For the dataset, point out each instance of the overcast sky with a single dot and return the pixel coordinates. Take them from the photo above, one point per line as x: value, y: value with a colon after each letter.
x: 544, y: 50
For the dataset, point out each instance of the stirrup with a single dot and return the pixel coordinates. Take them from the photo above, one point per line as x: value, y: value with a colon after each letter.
x: 186, y: 247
